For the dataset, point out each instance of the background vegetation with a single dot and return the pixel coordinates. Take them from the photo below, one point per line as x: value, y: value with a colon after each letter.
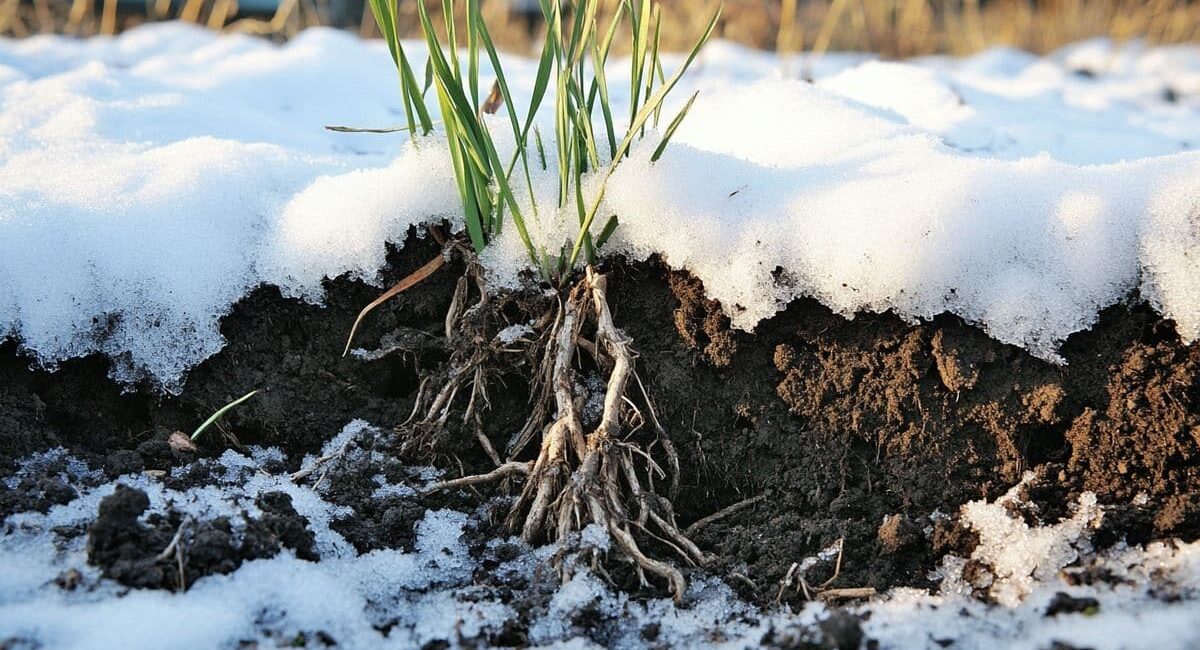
x: 893, y: 28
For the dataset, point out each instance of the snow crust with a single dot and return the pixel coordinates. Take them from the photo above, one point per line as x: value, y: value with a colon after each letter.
x: 1018, y: 555
x: 149, y: 181
x: 444, y: 591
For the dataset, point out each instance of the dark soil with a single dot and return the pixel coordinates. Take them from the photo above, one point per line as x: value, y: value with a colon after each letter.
x: 854, y: 429
x: 134, y: 553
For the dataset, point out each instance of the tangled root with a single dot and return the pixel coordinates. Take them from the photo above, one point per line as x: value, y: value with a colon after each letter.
x: 585, y: 478
x: 474, y: 357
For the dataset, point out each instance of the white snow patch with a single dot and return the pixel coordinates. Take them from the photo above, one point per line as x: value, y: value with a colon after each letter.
x: 149, y: 181
x: 514, y: 333
x: 1017, y: 555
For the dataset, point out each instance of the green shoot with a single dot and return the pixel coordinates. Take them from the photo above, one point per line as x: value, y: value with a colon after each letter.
x: 572, y: 62
x: 221, y: 412
x: 639, y: 120
x: 662, y: 145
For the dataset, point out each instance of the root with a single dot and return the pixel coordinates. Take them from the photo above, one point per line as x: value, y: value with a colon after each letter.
x: 467, y: 373
x: 724, y: 512
x: 500, y: 473
x: 603, y: 477
x: 317, y: 464
x: 580, y: 480
x: 795, y: 578
x: 175, y: 548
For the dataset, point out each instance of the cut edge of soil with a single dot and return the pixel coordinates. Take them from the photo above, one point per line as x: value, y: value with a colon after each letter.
x: 865, y: 430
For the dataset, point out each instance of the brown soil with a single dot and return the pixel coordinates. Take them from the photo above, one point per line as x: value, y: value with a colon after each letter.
x: 854, y: 429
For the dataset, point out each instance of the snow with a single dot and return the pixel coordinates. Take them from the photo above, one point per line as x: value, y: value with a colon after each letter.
x: 442, y: 590
x: 1019, y: 555
x: 149, y: 181
x: 867, y: 213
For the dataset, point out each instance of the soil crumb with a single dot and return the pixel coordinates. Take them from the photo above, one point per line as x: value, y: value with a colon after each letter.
x: 172, y: 551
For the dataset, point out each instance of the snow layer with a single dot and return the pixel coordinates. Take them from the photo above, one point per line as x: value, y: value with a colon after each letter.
x: 149, y: 181
x: 442, y: 590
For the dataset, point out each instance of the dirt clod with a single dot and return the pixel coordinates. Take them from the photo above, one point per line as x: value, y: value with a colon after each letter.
x: 1064, y: 603
x: 897, y: 533
x: 169, y: 552
x: 122, y: 462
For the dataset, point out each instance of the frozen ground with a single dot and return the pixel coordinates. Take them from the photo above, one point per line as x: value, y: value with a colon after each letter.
x: 446, y: 589
x: 147, y: 181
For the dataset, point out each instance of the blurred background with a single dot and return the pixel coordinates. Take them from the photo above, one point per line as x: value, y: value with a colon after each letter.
x: 891, y: 28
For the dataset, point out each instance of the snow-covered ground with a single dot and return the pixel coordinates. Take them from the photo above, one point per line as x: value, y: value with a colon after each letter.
x: 439, y: 591
x: 148, y: 181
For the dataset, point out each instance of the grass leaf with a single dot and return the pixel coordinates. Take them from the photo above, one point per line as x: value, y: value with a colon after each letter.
x: 220, y: 412
x: 639, y: 120
x: 662, y: 145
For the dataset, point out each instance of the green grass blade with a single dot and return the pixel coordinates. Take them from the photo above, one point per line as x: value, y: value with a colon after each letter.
x: 506, y: 195
x: 221, y: 412
x: 518, y: 133
x: 641, y: 38
x: 600, y: 82
x: 563, y: 137
x: 385, y: 19
x: 662, y: 145
x: 412, y: 94
x: 474, y: 20
x: 541, y: 81
x: 541, y: 149
x: 449, y: 86
x: 654, y: 101
x: 607, y: 231
x: 384, y: 12
x: 653, y: 64
x: 581, y: 33
x: 640, y: 120
x: 470, y: 201
x: 451, y: 36
x: 583, y: 123
x: 589, y: 251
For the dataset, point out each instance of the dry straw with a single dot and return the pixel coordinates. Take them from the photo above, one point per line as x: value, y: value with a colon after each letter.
x: 894, y: 28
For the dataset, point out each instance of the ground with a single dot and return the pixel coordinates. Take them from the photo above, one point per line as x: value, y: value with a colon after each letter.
x: 872, y: 430
x: 922, y: 334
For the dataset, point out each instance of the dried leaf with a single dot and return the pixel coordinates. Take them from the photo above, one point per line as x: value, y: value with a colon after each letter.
x: 494, y: 101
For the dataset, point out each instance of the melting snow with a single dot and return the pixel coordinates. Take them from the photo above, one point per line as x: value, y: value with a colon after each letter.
x: 149, y: 181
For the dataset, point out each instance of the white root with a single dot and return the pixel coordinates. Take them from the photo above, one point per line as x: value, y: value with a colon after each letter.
x: 432, y: 407
x: 550, y: 470
x: 305, y: 472
x: 175, y: 547
x: 724, y: 512
x: 507, y: 470
x: 579, y: 479
x: 605, y: 473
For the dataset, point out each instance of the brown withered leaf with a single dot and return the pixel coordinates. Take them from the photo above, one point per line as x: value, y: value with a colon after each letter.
x: 494, y: 100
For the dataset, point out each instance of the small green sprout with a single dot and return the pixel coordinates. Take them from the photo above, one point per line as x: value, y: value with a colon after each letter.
x: 221, y: 412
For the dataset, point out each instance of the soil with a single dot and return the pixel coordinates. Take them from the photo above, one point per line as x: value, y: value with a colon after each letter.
x: 132, y: 552
x: 871, y: 430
